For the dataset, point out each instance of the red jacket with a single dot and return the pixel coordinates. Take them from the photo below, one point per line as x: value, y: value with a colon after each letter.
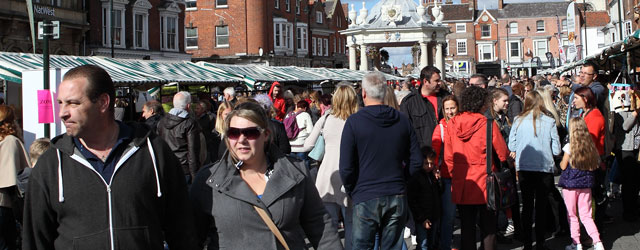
x: 278, y: 102
x: 465, y: 152
x: 595, y: 124
x: 437, y: 145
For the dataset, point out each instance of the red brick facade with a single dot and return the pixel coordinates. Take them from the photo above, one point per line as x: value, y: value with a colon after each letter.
x: 252, y: 25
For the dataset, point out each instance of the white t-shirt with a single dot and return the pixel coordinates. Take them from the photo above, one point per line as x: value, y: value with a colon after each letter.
x: 567, y: 149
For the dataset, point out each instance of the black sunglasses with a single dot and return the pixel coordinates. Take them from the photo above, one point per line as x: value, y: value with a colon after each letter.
x: 250, y: 133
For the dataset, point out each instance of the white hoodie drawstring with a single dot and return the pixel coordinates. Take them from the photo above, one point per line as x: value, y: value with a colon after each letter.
x: 155, y: 167
x: 60, y: 187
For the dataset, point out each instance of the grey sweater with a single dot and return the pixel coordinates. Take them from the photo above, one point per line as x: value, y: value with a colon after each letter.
x: 626, y: 129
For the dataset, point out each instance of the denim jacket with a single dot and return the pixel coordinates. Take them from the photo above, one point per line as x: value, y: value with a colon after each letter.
x: 534, y: 153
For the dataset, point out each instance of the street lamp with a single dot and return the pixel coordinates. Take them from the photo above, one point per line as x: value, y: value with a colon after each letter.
x: 507, y: 45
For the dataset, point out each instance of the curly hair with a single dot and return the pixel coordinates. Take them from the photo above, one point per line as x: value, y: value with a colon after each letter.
x: 473, y: 99
x: 584, y: 155
x: 7, y: 122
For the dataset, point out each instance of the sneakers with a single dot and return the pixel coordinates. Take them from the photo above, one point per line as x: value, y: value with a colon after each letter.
x: 574, y: 246
x: 598, y: 246
x: 510, y: 229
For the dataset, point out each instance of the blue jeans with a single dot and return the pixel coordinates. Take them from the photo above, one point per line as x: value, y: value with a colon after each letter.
x: 334, y: 209
x: 426, y: 238
x: 448, y: 216
x: 387, y: 215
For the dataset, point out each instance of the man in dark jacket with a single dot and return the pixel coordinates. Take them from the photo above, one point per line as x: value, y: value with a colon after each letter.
x: 374, y: 176
x: 118, y: 188
x: 424, y: 105
x: 152, y: 112
x: 206, y: 126
x: 181, y: 131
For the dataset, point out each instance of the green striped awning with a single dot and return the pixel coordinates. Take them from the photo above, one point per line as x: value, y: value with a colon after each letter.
x: 9, y: 76
x: 302, y: 74
x: 255, y: 72
x: 175, y: 71
x: 16, y: 63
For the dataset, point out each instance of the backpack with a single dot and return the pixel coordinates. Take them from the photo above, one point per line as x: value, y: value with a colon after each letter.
x: 291, y: 125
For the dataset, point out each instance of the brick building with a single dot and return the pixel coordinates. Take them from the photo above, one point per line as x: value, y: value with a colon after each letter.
x: 142, y: 29
x: 15, y: 30
x: 487, y: 43
x: 622, y: 22
x: 460, y: 53
x: 526, y: 32
x: 279, y: 32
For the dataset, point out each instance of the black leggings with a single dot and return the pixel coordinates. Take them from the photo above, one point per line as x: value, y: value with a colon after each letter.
x: 488, y: 226
x: 630, y: 173
x: 535, y: 185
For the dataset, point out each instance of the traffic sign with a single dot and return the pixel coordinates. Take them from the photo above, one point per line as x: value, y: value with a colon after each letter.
x: 55, y: 32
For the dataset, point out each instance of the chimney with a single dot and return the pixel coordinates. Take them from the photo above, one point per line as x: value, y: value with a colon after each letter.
x: 500, y: 4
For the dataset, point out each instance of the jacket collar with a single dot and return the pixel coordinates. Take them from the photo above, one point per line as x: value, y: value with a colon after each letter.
x: 228, y: 181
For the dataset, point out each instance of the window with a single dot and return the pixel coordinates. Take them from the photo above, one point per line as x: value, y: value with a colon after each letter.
x: 222, y: 36
x: 486, y: 52
x: 319, y: 46
x: 276, y: 37
x: 514, y: 49
x: 540, y: 48
x: 287, y: 5
x: 287, y: 36
x: 318, y: 16
x: 298, y: 3
x: 564, y: 25
x: 462, y: 46
x: 540, y: 26
x: 513, y: 28
x: 191, y: 5
x: 461, y: 28
x: 601, y: 41
x: 191, y: 37
x: 333, y: 39
x: 140, y: 31
x: 118, y: 27
x: 141, y: 25
x: 627, y: 28
x: 313, y: 43
x: 277, y: 4
x: 169, y: 27
x: 325, y: 48
x: 486, y: 30
x: 222, y: 4
x: 301, y: 38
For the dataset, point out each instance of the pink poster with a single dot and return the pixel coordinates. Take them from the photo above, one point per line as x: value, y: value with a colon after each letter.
x: 45, y: 107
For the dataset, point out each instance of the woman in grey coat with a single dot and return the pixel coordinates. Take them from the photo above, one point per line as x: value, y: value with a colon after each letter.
x: 254, y: 175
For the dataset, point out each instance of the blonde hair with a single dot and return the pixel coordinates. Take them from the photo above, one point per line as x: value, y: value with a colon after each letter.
x: 390, y: 98
x: 345, y: 102
x: 584, y: 155
x: 315, y: 99
x: 220, y: 123
x: 37, y: 148
x: 534, y: 104
x: 548, y: 104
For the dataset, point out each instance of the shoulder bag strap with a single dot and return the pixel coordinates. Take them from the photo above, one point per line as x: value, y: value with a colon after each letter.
x: 272, y: 226
x: 489, y: 143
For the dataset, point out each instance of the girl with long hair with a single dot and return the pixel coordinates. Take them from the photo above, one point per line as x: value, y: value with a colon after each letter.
x: 345, y: 103
x: 533, y: 142
x: 450, y: 109
x: 578, y: 163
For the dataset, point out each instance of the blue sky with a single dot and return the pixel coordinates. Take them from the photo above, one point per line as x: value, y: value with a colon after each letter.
x: 398, y: 55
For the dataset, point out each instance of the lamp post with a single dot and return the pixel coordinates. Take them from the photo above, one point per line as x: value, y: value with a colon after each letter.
x: 310, y: 4
x: 111, y: 27
x: 508, y: 46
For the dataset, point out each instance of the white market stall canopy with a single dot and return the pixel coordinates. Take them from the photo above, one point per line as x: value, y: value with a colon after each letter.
x: 130, y: 72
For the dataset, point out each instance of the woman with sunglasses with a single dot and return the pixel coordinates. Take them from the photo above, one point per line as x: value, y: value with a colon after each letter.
x: 254, y: 177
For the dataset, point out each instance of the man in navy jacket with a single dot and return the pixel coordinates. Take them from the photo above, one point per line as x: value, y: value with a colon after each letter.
x: 379, y: 150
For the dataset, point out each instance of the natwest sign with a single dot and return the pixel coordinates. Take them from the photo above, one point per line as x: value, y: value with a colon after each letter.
x: 44, y: 10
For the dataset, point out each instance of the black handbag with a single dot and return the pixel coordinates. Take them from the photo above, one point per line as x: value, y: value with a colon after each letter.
x: 501, y: 190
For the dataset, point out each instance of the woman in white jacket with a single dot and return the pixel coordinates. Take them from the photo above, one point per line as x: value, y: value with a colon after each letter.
x: 305, y: 124
x: 328, y: 182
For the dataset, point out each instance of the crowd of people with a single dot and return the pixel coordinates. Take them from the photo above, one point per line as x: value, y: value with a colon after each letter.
x: 290, y: 167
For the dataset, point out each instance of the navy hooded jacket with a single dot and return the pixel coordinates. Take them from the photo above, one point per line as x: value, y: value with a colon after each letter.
x: 379, y: 150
